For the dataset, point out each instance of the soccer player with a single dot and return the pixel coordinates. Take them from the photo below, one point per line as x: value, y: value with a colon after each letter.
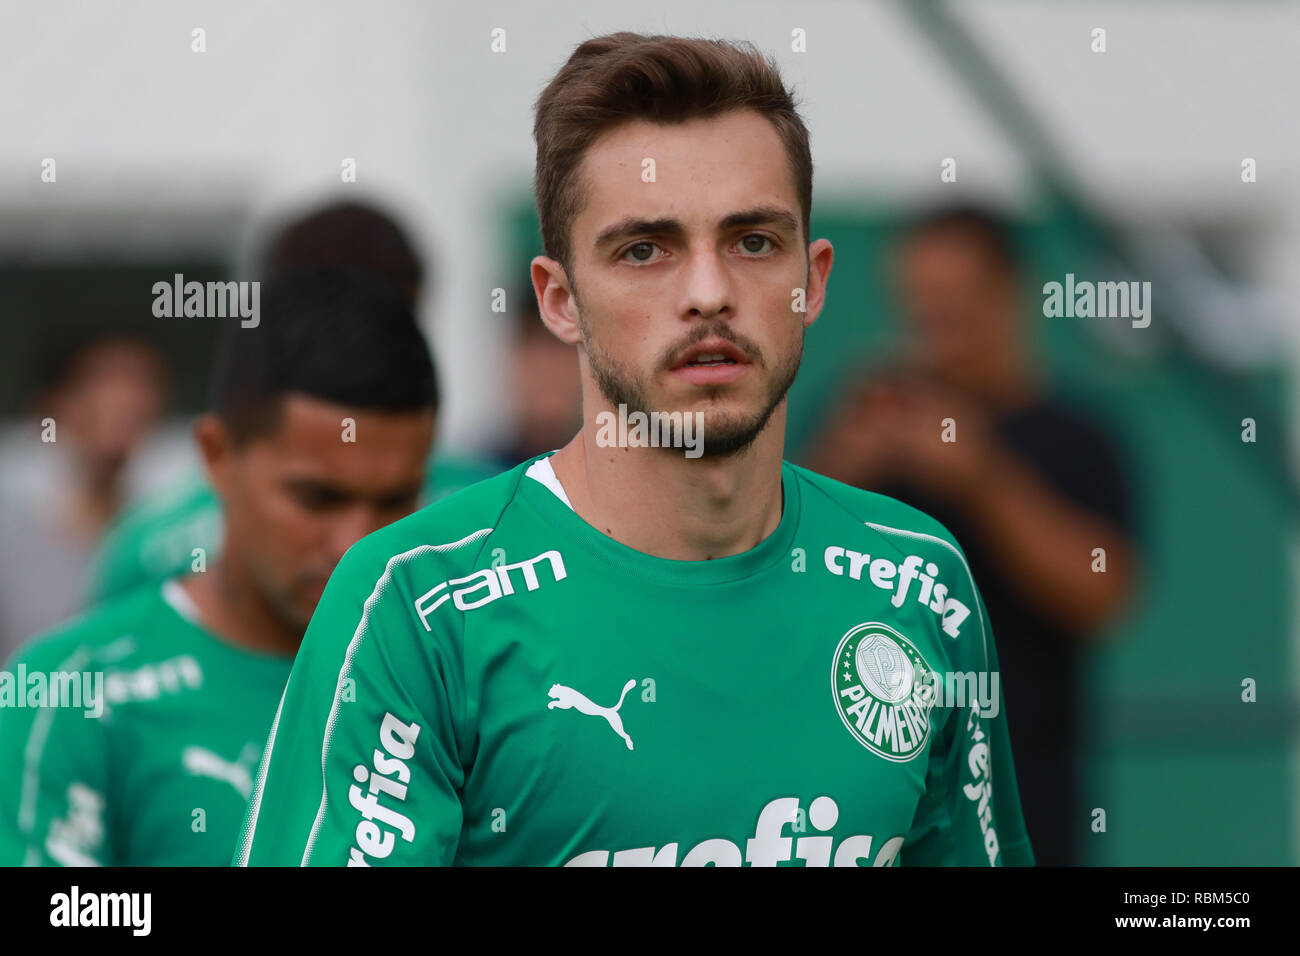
x: 322, y: 420
x: 155, y: 539
x: 630, y: 654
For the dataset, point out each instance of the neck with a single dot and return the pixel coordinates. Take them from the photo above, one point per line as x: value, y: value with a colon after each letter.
x: 95, y: 499
x: 659, y: 502
x: 231, y: 607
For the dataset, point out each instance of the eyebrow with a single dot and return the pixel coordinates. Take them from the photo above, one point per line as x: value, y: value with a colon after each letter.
x: 757, y: 216
x: 341, y: 494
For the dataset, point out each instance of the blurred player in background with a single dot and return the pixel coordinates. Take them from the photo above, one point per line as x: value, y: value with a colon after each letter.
x: 620, y: 653
x: 156, y: 538
x: 1030, y: 487
x: 545, y: 391
x: 101, y: 398
x: 321, y: 424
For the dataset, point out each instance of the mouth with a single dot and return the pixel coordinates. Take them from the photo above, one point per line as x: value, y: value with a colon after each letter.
x: 711, y: 362
x: 314, y: 585
x: 711, y: 352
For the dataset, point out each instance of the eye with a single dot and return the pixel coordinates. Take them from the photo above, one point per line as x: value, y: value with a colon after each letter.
x: 315, y: 497
x: 403, y: 502
x: 747, y: 243
x: 642, y: 251
x: 310, y: 500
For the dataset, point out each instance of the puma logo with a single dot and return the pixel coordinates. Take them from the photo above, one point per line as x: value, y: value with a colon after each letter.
x: 567, y: 697
x: 239, y: 774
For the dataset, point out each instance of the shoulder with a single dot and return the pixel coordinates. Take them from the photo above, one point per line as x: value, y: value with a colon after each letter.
x: 864, y: 534
x: 153, y: 538
x: 390, y: 581
x: 447, y: 535
x: 177, y: 502
x: 106, y: 633
x: 837, y: 504
x: 449, y: 473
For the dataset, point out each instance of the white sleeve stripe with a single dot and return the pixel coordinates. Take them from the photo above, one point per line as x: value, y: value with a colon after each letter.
x: 380, y: 586
x: 947, y: 544
x: 255, y: 804
x: 34, y: 751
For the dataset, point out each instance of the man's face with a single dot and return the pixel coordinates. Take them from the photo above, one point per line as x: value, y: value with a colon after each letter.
x: 959, y: 303
x: 111, y: 403
x: 296, y: 498
x: 685, y: 285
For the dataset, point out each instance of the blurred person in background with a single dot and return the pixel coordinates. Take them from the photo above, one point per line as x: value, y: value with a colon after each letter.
x: 1030, y: 487
x: 192, y: 669
x: 156, y: 538
x: 545, y: 390
x: 101, y: 399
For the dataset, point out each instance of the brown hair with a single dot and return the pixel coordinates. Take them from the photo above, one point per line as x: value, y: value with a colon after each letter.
x: 626, y: 76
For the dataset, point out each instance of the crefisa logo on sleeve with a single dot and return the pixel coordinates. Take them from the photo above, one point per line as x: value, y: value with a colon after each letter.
x: 883, y: 690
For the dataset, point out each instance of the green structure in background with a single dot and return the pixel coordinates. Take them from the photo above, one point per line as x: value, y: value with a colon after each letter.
x: 1186, y: 772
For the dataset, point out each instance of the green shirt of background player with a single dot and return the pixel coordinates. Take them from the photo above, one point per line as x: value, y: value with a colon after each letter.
x: 636, y: 655
x: 323, y: 417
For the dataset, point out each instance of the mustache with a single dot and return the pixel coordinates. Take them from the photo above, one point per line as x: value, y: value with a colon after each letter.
x: 720, y: 330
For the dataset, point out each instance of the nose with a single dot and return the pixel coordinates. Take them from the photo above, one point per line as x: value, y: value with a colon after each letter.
x: 351, y: 526
x: 707, y: 287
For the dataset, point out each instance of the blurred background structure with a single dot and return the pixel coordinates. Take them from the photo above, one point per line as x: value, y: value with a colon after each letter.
x: 155, y: 138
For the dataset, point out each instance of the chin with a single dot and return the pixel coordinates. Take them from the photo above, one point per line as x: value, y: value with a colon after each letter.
x: 305, y: 602
x: 718, y: 405
x: 301, y: 618
x: 730, y: 434
x: 313, y: 600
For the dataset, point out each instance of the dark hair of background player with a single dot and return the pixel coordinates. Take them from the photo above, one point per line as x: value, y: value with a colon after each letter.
x: 331, y: 334
x: 348, y: 235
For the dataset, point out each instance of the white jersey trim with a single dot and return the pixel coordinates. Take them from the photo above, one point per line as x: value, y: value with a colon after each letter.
x: 541, y: 470
x: 180, y: 601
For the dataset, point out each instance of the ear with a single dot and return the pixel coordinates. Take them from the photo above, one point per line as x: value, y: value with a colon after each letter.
x: 217, y: 449
x: 820, y: 257
x: 555, y: 301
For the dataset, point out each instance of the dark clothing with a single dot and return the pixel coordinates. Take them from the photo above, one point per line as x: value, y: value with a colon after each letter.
x: 1040, y: 660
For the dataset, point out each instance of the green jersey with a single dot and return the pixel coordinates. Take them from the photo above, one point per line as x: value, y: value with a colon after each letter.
x: 492, y: 681
x: 157, y: 768
x: 156, y: 538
